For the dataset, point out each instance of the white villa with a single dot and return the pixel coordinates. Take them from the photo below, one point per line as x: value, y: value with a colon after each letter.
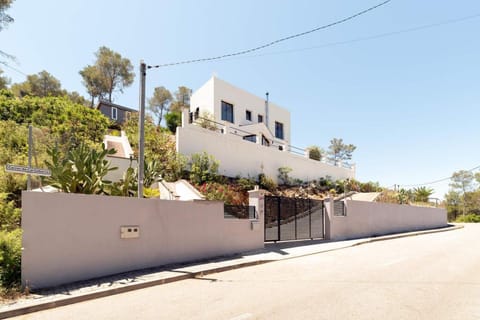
x: 247, y: 134
x: 256, y: 119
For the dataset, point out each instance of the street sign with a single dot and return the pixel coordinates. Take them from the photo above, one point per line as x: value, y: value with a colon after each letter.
x: 27, y: 170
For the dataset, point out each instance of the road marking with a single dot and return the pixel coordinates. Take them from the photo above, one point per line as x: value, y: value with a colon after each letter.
x: 243, y: 316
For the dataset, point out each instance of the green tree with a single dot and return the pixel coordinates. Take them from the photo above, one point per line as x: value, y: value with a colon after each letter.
x: 4, y: 81
x: 111, y: 72
x: 5, y: 19
x: 94, y: 83
x: 453, y: 204
x: 66, y: 121
x: 173, y: 119
x: 182, y: 99
x: 42, y: 84
x: 315, y: 153
x: 159, y: 102
x: 81, y: 170
x: 159, y: 146
x: 77, y: 98
x: 339, y: 151
x: 462, y: 182
x: 421, y: 194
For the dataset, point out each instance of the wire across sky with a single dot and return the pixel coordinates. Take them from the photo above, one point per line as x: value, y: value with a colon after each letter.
x: 269, y: 44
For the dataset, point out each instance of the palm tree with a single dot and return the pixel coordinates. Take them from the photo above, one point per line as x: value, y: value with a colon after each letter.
x: 422, y: 194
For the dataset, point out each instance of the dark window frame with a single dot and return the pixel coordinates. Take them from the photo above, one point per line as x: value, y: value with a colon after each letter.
x: 260, y: 118
x: 265, y: 141
x: 250, y: 138
x: 114, y: 113
x: 227, y: 113
x: 248, y: 115
x: 279, y: 130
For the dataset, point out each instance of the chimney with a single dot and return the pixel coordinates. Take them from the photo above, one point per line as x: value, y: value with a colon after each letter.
x: 266, y: 109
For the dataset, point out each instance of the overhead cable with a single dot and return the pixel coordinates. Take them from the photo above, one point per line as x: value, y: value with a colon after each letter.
x: 297, y: 35
x: 436, y: 181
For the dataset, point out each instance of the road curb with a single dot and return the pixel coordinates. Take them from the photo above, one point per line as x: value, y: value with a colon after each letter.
x: 130, y: 287
x: 191, y: 275
x: 410, y: 234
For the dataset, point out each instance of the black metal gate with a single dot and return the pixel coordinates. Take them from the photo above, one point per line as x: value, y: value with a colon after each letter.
x: 293, y: 218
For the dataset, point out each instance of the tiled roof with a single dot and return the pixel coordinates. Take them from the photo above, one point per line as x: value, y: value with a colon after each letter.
x: 110, y: 104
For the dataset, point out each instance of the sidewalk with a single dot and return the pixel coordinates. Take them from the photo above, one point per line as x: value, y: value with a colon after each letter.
x: 106, y: 286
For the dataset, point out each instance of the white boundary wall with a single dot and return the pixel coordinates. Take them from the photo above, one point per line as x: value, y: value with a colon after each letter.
x: 72, y: 237
x: 366, y: 219
x: 244, y: 158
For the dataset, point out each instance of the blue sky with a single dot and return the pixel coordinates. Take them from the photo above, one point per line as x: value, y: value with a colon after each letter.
x: 408, y: 101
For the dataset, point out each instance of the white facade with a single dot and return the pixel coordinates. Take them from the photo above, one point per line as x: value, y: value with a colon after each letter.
x: 237, y: 157
x: 247, y: 147
x: 209, y: 99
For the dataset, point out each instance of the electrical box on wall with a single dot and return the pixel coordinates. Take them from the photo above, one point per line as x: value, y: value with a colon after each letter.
x: 129, y: 232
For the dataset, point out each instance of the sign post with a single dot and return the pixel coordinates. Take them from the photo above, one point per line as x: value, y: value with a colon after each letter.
x: 13, y: 168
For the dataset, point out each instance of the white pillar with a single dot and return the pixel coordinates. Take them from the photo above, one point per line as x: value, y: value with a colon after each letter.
x: 256, y: 198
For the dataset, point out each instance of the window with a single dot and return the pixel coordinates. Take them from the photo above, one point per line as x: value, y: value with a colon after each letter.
x: 227, y: 111
x: 260, y: 118
x: 114, y: 113
x: 279, y: 130
x: 251, y: 138
x: 265, y: 141
x: 248, y: 115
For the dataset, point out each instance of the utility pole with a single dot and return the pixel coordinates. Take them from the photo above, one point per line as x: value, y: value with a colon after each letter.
x: 30, y: 146
x: 141, y: 128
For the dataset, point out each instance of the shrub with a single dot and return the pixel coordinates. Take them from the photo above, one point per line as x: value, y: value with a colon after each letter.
x: 315, y: 153
x: 246, y: 184
x: 9, y: 215
x: 226, y: 193
x: 207, y: 121
x: 266, y: 183
x: 10, y: 258
x: 469, y: 218
x: 283, y: 177
x: 151, y: 193
x: 203, y: 168
x: 81, y: 170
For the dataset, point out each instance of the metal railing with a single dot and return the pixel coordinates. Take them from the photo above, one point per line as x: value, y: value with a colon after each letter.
x: 275, y: 143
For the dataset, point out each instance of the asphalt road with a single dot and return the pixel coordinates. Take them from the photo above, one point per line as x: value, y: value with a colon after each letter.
x: 435, y: 276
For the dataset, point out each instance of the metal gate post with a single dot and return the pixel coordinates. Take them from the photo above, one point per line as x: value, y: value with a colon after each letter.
x: 323, y: 219
x: 295, y: 212
x: 310, y: 218
x: 278, y: 218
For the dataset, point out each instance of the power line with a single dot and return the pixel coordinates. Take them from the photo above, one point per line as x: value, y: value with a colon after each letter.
x: 272, y: 42
x: 436, y: 181
x: 14, y: 69
x: 373, y: 37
